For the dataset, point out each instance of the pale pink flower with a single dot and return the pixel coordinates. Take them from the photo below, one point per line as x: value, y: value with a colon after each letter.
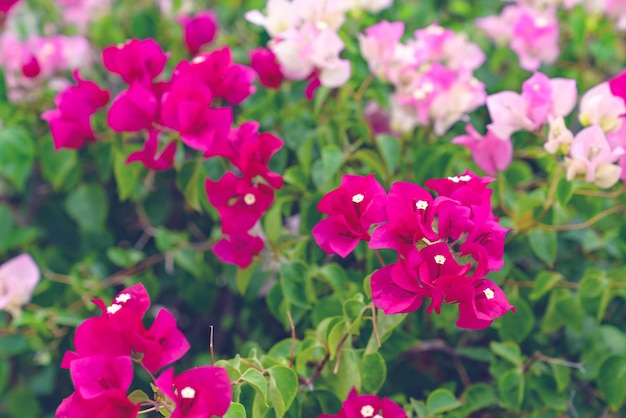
x: 18, y: 278
x: 599, y: 106
x: 591, y: 155
x: 379, y: 43
x: 333, y: 71
x: 617, y: 10
x: 558, y: 135
x: 82, y: 13
x: 453, y: 104
x: 372, y: 6
x: 490, y: 153
x: 280, y: 16
x: 541, y: 98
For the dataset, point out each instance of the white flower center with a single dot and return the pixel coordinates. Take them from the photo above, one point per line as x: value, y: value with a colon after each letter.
x: 188, y: 393
x: 421, y: 204
x: 465, y: 178
x: 489, y: 294
x: 440, y: 259
x: 198, y: 60
x: 113, y: 308
x: 367, y: 411
x: 454, y: 179
x: 123, y: 298
x: 249, y: 199
x: 541, y: 22
x: 377, y: 416
x: 358, y: 198
x: 434, y: 30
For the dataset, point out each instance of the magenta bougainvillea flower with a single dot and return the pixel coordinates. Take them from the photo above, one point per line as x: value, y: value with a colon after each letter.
x: 201, y: 392
x: 133, y: 109
x: 6, y: 5
x: 70, y: 123
x: 367, y: 406
x: 445, y: 245
x: 135, y: 60
x: 264, y: 62
x: 112, y: 403
x: 18, y: 278
x: 198, y: 30
x: 148, y: 154
x: 238, y: 249
x: 489, y: 152
x: 120, y: 331
x: 357, y: 205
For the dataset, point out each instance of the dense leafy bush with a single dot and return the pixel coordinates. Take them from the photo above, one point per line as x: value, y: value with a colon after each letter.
x: 263, y: 196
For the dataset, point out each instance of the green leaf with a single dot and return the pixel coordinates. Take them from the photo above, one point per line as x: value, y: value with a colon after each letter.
x: 295, y: 176
x: 544, y: 281
x: 543, y: 243
x: 595, y: 293
x: 138, y: 396
x: 420, y: 408
x: 508, y: 350
x: 236, y: 410
x: 56, y: 166
x: 12, y: 345
x: 17, y: 154
x: 373, y: 372
x: 517, y: 326
x: 390, y: 150
x: 612, y: 381
x: 127, y: 176
x: 561, y: 376
x: 22, y: 403
x: 190, y: 180
x: 282, y: 389
x: 256, y: 379
x: 370, y: 159
x: 564, y: 190
x: 385, y: 324
x: 336, y: 335
x: 293, y: 281
x: 440, y: 401
x: 511, y: 387
x: 88, y: 206
x: 244, y: 276
x: 478, y: 396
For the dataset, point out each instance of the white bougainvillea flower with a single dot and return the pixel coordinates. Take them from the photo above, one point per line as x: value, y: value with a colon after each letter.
x: 18, y: 278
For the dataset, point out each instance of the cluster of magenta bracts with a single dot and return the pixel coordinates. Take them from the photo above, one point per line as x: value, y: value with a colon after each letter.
x: 429, y: 235
x: 182, y: 107
x: 102, y: 368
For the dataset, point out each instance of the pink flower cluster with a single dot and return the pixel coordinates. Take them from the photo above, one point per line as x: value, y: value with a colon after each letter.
x: 30, y: 64
x: 18, y: 278
x: 102, y: 367
x: 430, y: 236
x: 184, y: 106
x: 432, y: 74
x: 531, y: 32
x: 367, y: 406
x: 598, y: 152
x: 305, y: 43
x: 541, y: 101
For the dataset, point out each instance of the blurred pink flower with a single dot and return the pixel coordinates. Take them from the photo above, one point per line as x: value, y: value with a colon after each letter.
x: 489, y: 152
x: 599, y: 106
x: 263, y: 61
x: 591, y: 155
x: 198, y: 30
x: 18, y: 278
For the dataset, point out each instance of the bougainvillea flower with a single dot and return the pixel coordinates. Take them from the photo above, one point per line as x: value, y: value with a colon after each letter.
x: 238, y: 249
x: 112, y: 403
x: 490, y: 153
x: 541, y: 98
x: 367, y: 406
x: 135, y: 60
x: 558, y: 135
x: 617, y: 85
x: 148, y: 154
x: 133, y: 109
x: 94, y: 375
x: 487, y: 303
x: 438, y: 261
x: 598, y: 106
x: 18, y: 278
x: 239, y: 203
x: 164, y: 343
x: 263, y: 61
x: 453, y: 104
x: 70, y: 123
x: 591, y: 155
x: 396, y: 288
x: 354, y: 207
x: 198, y: 30
x: 31, y: 67
x: 233, y: 82
x: 486, y: 237
x: 6, y: 5
x: 378, y: 45
x: 250, y: 151
x: 410, y: 211
x: 201, y: 392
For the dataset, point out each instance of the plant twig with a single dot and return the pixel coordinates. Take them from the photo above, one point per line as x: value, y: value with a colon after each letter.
x: 293, y: 339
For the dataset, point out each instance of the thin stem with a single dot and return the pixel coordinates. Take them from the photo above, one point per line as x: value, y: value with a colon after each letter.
x: 293, y: 339
x: 599, y: 193
x: 211, y: 345
x: 586, y: 224
x: 375, y: 325
x: 380, y: 259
